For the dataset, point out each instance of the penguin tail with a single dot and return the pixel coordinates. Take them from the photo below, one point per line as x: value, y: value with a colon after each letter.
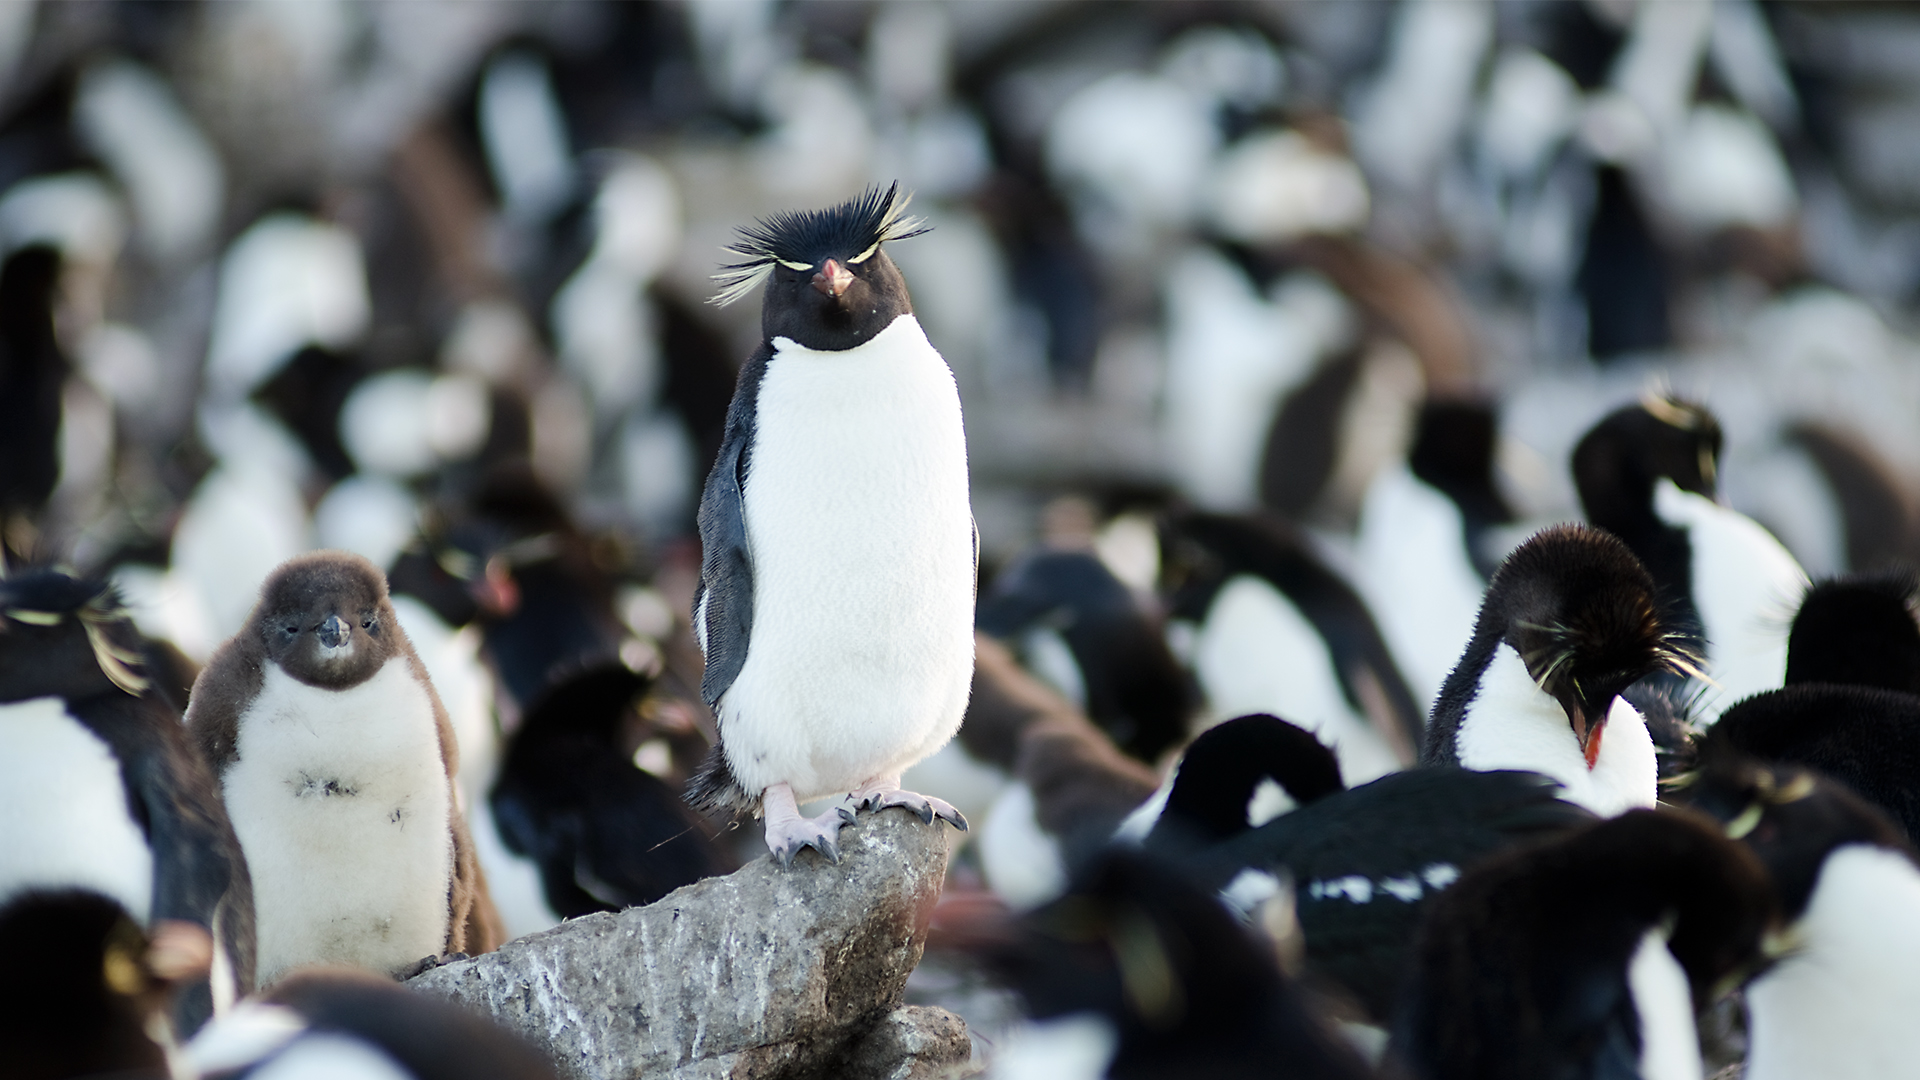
x: 714, y: 789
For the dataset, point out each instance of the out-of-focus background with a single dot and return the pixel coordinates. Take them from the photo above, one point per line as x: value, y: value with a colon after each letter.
x: 320, y: 262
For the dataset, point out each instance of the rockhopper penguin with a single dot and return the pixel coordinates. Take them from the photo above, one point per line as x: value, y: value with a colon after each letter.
x: 1570, y: 620
x: 837, y: 579
x: 336, y: 760
x: 102, y: 790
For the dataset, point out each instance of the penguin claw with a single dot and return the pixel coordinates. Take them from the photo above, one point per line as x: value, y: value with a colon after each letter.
x: 822, y: 834
x: 925, y: 807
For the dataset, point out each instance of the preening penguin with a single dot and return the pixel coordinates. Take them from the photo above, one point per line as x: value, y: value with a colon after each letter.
x: 336, y: 760
x: 1569, y: 622
x: 837, y: 581
x: 100, y: 787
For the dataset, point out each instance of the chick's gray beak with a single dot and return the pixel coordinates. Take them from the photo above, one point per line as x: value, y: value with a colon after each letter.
x: 334, y: 632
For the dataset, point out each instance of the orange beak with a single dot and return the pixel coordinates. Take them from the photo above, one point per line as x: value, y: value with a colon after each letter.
x: 832, y: 279
x: 1589, y: 736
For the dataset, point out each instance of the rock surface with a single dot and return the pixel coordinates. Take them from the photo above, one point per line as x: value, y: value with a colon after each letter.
x: 764, y: 973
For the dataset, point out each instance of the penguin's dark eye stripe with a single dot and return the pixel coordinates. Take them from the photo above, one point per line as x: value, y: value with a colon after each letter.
x: 800, y: 266
x: 863, y: 256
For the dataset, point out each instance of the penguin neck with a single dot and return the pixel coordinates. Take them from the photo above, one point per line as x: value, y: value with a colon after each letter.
x: 1513, y: 724
x: 1661, y: 540
x: 1840, y: 1007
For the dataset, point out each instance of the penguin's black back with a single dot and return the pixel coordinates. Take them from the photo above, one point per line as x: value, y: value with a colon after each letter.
x: 1136, y: 690
x: 605, y: 833
x: 1189, y: 993
x: 1866, y: 738
x: 1521, y: 969
x: 1858, y: 630
x: 1416, y: 831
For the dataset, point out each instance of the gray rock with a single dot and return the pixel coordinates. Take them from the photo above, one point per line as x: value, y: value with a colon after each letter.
x: 914, y: 1042
x: 764, y: 973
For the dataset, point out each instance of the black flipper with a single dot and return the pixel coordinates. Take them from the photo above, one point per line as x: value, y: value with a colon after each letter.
x: 723, y: 610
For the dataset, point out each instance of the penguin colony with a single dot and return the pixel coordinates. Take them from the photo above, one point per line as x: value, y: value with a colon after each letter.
x: 1423, y: 583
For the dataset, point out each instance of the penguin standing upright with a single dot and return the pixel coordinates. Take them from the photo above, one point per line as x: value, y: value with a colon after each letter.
x: 336, y: 761
x: 1570, y: 621
x: 101, y: 789
x: 836, y: 592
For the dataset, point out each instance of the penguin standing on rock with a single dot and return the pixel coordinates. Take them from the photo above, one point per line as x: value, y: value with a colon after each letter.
x: 1570, y: 621
x: 336, y: 760
x: 836, y: 592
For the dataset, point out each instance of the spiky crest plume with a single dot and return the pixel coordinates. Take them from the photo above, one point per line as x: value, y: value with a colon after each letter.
x: 48, y: 597
x: 801, y: 238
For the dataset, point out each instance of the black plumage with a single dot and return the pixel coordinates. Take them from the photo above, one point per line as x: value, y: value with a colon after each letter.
x: 1623, y: 274
x: 1135, y: 689
x: 1858, y: 630
x: 1521, y: 968
x: 606, y: 834
x: 801, y: 239
x: 68, y: 638
x: 1203, y: 551
x: 33, y: 372
x: 428, y: 1038
x: 1220, y: 771
x: 1615, y: 467
x: 1865, y: 737
x: 82, y: 995
x: 1366, y: 862
x: 1187, y: 991
x: 1453, y: 450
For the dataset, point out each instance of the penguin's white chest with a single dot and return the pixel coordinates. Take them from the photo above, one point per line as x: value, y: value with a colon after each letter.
x: 861, y: 534
x: 1513, y: 724
x: 64, y: 817
x: 341, y: 802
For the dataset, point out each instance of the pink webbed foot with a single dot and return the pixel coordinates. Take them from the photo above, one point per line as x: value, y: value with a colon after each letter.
x: 880, y: 793
x: 788, y: 832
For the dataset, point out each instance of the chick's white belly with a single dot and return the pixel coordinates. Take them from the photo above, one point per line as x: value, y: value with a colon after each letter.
x: 340, y: 800
x: 861, y: 650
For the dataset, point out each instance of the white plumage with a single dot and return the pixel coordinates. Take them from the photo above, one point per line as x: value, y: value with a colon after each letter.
x: 319, y: 772
x: 1417, y: 578
x: 1842, y: 1007
x: 861, y: 533
x: 1257, y: 653
x: 1746, y: 587
x: 1669, y: 1041
x: 64, y: 818
x: 1513, y: 724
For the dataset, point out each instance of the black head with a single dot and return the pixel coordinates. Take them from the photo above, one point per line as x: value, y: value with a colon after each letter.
x: 325, y: 619
x: 829, y: 286
x: 1615, y: 464
x: 65, y: 636
x: 1579, y: 608
x: 1859, y: 630
x: 1453, y: 449
x: 85, y: 989
x: 1790, y: 818
x: 1222, y: 768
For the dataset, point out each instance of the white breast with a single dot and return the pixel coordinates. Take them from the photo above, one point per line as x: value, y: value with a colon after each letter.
x: 341, y: 802
x: 1513, y: 724
x: 861, y: 533
x: 1417, y: 577
x: 1669, y: 1040
x: 1845, y: 1005
x: 1746, y: 587
x: 1257, y: 653
x: 64, y: 818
